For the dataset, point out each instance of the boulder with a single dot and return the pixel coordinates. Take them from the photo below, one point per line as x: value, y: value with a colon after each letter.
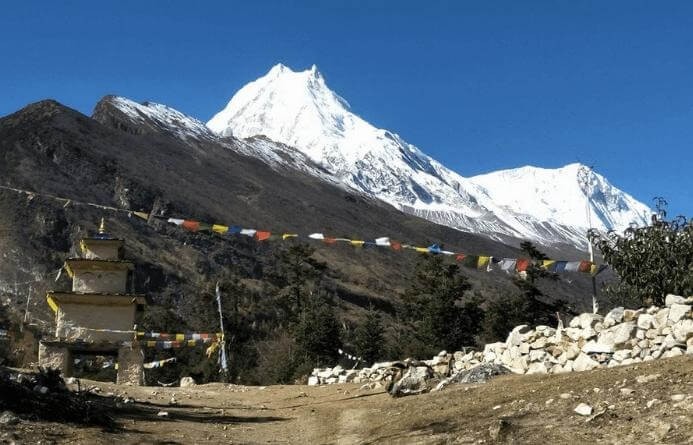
x: 313, y: 380
x: 614, y: 317
x: 673, y: 352
x: 683, y: 330
x: 631, y: 315
x: 617, y: 335
x: 660, y: 318
x: 689, y: 346
x: 583, y: 362
x: 537, y: 356
x: 645, y: 321
x: 592, y: 347
x: 186, y: 382
x: 524, y: 348
x: 622, y: 354
x: 678, y: 312
x: 672, y: 299
x: 518, y: 335
x: 587, y: 320
x: 539, y: 343
x: 537, y: 368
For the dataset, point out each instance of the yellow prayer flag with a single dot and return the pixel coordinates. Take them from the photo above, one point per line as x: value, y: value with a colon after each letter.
x: 151, y: 343
x: 483, y: 261
x: 192, y: 342
x: 547, y: 263
x: 180, y: 337
x: 289, y: 235
x: 219, y: 228
x: 144, y: 216
x: 421, y: 249
x: 357, y: 243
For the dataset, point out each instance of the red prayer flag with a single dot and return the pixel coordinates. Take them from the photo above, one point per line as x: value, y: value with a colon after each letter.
x: 192, y: 226
x: 261, y: 235
x: 329, y: 240
x: 585, y: 266
x: 396, y: 245
x: 522, y: 264
x: 460, y: 257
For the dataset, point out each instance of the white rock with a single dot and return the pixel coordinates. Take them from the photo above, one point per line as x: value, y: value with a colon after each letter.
x: 678, y: 397
x: 631, y: 314
x: 614, y: 316
x: 537, y: 356
x: 678, y: 312
x: 583, y: 409
x: 660, y: 318
x: 518, y: 335
x: 313, y: 380
x: 539, y: 343
x: 672, y: 299
x: 682, y: 330
x: 640, y: 334
x: 596, y: 348
x: 524, y: 348
x: 584, y: 363
x: 186, y: 382
x: 617, y: 335
x: 162, y: 414
x: 645, y: 321
x: 325, y: 373
x: 689, y: 346
x: 537, y: 368
x: 627, y: 391
x: 673, y: 352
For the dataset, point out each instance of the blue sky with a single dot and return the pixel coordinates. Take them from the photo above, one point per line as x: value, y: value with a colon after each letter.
x: 478, y: 85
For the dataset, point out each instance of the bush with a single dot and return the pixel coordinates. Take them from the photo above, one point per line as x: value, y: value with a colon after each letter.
x: 651, y: 261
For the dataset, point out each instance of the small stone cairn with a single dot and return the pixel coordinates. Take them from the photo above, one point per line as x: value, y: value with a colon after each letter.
x: 621, y: 337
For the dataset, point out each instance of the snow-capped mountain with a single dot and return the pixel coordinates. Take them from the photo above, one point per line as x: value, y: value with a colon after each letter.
x: 548, y: 205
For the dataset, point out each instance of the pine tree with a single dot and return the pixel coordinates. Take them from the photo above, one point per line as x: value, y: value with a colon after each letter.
x: 368, y: 337
x: 317, y: 333
x: 433, y: 307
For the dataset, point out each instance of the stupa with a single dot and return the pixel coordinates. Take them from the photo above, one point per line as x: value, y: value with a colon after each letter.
x: 97, y: 317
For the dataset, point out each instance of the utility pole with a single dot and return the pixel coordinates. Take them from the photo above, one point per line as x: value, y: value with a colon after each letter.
x: 584, y: 174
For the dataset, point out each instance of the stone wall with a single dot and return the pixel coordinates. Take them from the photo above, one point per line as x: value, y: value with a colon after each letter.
x: 621, y: 337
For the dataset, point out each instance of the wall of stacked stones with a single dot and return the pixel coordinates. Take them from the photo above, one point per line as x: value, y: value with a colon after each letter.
x: 621, y: 337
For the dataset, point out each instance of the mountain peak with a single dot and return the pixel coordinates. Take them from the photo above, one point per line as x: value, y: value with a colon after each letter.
x: 299, y: 109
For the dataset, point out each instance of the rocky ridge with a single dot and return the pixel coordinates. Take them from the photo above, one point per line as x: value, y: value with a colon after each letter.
x: 621, y: 337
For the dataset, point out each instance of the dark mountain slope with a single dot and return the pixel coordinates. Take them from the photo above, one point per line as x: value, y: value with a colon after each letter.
x: 112, y: 160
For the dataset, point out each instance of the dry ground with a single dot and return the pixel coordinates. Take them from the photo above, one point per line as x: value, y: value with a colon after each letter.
x: 509, y: 409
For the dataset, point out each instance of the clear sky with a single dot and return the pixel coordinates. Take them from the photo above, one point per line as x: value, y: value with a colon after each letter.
x: 479, y: 86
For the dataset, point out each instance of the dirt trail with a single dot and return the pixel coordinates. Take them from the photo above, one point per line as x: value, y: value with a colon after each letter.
x: 509, y: 409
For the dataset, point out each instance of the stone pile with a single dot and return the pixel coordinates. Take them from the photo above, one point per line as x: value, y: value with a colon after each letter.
x: 621, y: 337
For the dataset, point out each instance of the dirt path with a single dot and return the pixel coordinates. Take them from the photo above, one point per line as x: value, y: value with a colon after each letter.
x: 509, y: 409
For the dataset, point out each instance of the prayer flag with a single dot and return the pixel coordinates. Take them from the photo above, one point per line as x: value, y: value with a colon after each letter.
x: 248, y: 232
x: 176, y: 221
x: 329, y: 240
x: 219, y: 228
x: 357, y: 243
x: 548, y: 264
x: 318, y: 236
x: 261, y: 235
x: 384, y: 241
x: 572, y: 266
x: 421, y: 249
x: 144, y: 216
x: 395, y: 245
x: 204, y: 227
x: 460, y: 257
x: 559, y: 266
x: 483, y: 262
x: 289, y: 235
x: 522, y: 264
x: 192, y: 226
x: 508, y: 264
x: 434, y: 248
x: 235, y: 229
x: 585, y: 266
